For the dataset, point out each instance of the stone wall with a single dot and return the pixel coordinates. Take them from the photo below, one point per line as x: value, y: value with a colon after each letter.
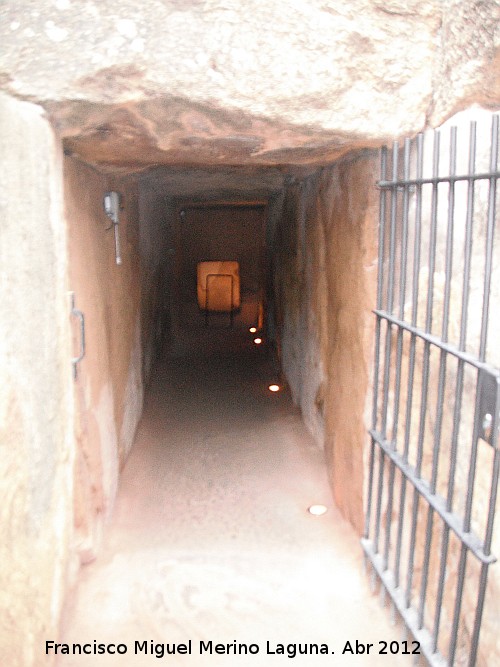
x: 36, y: 406
x: 156, y: 255
x: 300, y: 301
x: 205, y: 83
x: 108, y: 389
x: 325, y: 273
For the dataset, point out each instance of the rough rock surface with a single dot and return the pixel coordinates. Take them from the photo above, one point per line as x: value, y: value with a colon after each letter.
x: 36, y: 407
x: 221, y: 82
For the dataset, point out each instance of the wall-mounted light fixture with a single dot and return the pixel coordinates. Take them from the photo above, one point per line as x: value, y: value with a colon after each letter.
x: 112, y: 208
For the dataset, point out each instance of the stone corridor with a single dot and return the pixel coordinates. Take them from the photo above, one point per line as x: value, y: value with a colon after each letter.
x: 211, y: 539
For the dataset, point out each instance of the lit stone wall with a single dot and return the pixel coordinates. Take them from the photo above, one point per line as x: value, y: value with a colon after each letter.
x: 325, y: 285
x: 36, y: 406
x: 109, y: 386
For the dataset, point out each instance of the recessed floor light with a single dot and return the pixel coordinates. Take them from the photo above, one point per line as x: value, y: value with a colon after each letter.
x: 257, y: 341
x: 274, y: 387
x: 317, y: 510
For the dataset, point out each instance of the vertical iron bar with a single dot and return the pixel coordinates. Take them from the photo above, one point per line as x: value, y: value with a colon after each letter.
x: 425, y: 373
x: 231, y: 316
x: 206, y: 301
x: 399, y: 354
x: 402, y: 286
x: 390, y: 285
x: 413, y: 339
x: 462, y: 344
x: 494, y: 479
x: 387, y: 361
x: 496, y: 415
x: 430, y: 303
x: 490, y: 229
x: 442, y: 373
x: 381, y: 254
x: 483, y: 580
x: 439, y: 413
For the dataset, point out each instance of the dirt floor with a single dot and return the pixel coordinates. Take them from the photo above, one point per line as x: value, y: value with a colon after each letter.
x: 211, y: 540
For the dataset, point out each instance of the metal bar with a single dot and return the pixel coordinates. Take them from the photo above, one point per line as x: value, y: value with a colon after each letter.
x: 418, y: 231
x: 495, y: 474
x: 425, y: 379
x: 433, y: 657
x: 381, y: 234
x: 206, y: 301
x: 399, y: 352
x: 453, y: 458
x: 399, y: 536
x: 371, y: 467
x: 483, y: 580
x: 438, y: 342
x: 495, y: 417
x: 437, y: 436
x: 413, y: 340
x: 380, y: 279
x: 402, y: 287
x: 396, y: 183
x: 458, y: 604
x: 388, y: 341
x: 378, y: 507
x: 472, y: 470
x: 390, y: 289
x: 446, y: 315
x: 449, y: 236
x: 232, y: 303
x: 469, y: 220
x: 438, y: 503
x: 441, y: 581
x: 388, y: 520
x: 463, y: 337
x: 442, y: 379
x: 490, y: 231
x: 430, y: 302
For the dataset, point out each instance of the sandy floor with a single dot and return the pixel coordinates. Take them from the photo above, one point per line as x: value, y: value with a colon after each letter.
x: 211, y: 540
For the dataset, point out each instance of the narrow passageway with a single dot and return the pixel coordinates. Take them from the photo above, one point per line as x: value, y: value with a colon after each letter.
x: 211, y: 539
x: 200, y: 161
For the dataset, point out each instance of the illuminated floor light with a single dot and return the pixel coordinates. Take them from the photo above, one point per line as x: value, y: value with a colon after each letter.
x: 274, y: 387
x: 257, y: 341
x: 317, y: 510
x: 253, y: 330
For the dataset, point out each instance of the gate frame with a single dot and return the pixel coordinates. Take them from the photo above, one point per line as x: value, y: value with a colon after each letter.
x: 487, y: 408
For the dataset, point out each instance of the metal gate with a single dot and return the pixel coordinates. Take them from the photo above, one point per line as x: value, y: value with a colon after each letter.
x: 435, y: 457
